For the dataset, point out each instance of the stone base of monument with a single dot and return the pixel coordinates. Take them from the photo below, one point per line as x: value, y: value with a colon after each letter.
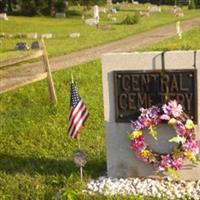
x: 121, y: 160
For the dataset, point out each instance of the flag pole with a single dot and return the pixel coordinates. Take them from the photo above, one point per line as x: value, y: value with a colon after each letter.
x: 81, y: 168
x: 79, y: 145
x: 81, y: 173
x: 79, y: 156
x: 72, y: 78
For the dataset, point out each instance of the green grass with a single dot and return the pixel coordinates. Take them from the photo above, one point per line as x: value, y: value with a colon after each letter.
x: 35, y: 151
x: 90, y: 35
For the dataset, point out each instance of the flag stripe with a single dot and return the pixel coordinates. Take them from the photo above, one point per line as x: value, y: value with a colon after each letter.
x: 79, y: 126
x: 76, y: 118
x: 80, y: 123
x: 75, y: 114
x: 73, y: 126
x: 73, y: 129
x: 78, y: 113
x: 80, y: 118
x: 74, y: 110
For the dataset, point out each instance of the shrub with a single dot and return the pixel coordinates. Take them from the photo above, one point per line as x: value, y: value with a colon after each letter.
x: 31, y: 7
x: 28, y: 8
x: 117, y: 7
x: 129, y: 20
x: 60, y: 6
x: 193, y: 4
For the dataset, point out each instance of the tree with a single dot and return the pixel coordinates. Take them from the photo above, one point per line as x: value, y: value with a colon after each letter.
x: 89, y: 3
x: 193, y: 4
x: 9, y: 5
x: 53, y: 9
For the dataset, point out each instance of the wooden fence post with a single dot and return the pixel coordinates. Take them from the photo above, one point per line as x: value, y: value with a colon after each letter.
x: 52, y: 92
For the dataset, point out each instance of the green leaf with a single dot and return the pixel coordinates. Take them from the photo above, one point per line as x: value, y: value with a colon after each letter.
x: 153, y: 132
x: 178, y: 139
x: 173, y: 173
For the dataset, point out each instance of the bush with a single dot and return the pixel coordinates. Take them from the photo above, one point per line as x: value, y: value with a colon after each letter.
x: 193, y: 4
x: 31, y: 8
x: 3, y: 7
x: 60, y: 6
x: 129, y: 20
x: 28, y: 8
x: 117, y: 7
x: 88, y: 3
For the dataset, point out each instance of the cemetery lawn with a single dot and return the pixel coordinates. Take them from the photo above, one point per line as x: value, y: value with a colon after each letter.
x: 61, y: 43
x: 35, y: 151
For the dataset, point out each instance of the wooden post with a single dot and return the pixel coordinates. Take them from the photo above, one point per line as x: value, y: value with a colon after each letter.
x: 51, y: 88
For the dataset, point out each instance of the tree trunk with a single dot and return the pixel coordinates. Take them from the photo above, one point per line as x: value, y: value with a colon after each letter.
x: 53, y: 9
x: 9, y: 6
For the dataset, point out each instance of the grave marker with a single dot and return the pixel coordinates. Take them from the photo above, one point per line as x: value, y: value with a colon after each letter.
x: 179, y: 65
x: 136, y: 89
x: 96, y: 13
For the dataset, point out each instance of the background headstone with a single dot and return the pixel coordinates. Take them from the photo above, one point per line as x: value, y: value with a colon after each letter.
x: 91, y: 21
x: 74, y: 35
x: 47, y: 35
x: 121, y: 160
x: 32, y: 35
x: 96, y: 13
x: 22, y: 46
x: 178, y: 29
x: 35, y: 45
x: 3, y: 16
x: 60, y: 15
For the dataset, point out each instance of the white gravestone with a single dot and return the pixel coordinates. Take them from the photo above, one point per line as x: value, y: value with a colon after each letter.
x: 121, y: 160
x: 135, y: 2
x: 96, y: 13
x: 178, y: 30
x: 91, y: 21
x: 32, y: 35
x: 47, y: 35
x: 74, y: 35
x: 3, y: 16
x: 154, y: 9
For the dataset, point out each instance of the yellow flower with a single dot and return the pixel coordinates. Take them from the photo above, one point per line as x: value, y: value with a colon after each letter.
x: 135, y: 134
x: 189, y: 124
x: 145, y: 153
x: 172, y: 121
x: 190, y: 155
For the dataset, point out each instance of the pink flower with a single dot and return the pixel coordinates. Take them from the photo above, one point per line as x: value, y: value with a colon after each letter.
x: 177, y: 164
x: 191, y: 145
x: 165, y: 117
x: 180, y: 127
x: 166, y: 161
x: 138, y: 143
x: 173, y: 108
x: 158, y: 167
x: 136, y: 125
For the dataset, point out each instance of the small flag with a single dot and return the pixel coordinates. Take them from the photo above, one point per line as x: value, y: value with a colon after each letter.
x: 78, y: 113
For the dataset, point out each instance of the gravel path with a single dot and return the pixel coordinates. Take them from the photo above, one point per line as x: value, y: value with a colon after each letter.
x: 15, y: 77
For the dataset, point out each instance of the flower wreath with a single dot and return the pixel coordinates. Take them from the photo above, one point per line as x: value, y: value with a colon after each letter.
x: 172, y: 113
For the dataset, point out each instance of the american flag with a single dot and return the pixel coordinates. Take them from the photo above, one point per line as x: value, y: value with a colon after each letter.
x: 78, y: 113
